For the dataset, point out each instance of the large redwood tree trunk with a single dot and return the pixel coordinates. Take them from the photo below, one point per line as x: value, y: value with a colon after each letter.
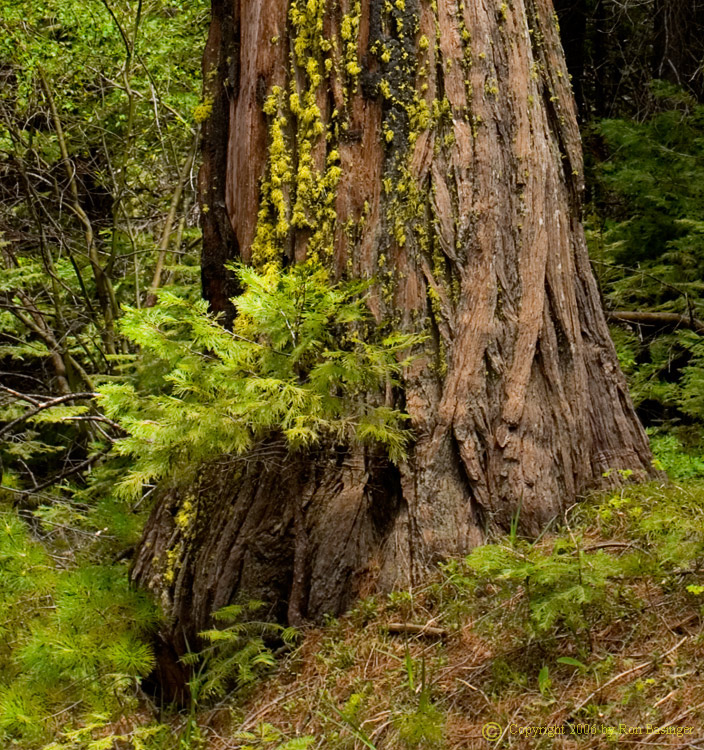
x: 434, y: 146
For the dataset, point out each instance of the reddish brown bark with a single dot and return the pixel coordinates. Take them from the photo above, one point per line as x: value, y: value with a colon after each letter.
x: 471, y: 221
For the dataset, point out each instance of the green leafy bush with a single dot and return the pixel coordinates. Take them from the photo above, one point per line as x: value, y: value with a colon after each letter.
x: 423, y: 727
x: 268, y: 737
x: 674, y: 458
x: 571, y: 584
x: 563, y: 587
x: 649, y: 189
x: 300, y: 361
x: 237, y: 652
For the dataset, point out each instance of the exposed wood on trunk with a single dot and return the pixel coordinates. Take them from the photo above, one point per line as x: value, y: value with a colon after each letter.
x: 460, y: 175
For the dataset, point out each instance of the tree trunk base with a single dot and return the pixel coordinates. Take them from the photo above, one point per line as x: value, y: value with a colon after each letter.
x: 310, y: 537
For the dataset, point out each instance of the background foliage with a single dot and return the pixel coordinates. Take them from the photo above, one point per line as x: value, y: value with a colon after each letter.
x: 646, y: 239
x: 97, y: 177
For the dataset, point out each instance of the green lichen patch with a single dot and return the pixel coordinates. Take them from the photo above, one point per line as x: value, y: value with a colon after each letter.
x: 298, y: 196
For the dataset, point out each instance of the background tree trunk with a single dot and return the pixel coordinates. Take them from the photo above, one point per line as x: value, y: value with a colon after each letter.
x: 434, y: 146
x: 678, y: 50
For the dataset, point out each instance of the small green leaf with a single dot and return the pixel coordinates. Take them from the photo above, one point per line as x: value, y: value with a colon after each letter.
x: 571, y: 662
x: 544, y: 681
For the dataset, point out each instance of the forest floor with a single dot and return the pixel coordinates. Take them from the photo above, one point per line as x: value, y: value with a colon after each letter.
x: 590, y: 637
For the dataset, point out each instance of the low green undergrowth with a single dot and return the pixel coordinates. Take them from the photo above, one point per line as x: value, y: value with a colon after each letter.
x: 74, y: 641
x: 520, y: 631
x: 76, y: 644
x: 574, y: 582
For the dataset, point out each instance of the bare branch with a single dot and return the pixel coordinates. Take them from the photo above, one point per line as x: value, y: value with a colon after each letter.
x: 42, y: 406
x: 657, y: 319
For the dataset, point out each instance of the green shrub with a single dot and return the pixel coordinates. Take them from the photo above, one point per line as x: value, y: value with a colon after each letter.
x: 75, y: 642
x: 561, y: 588
x: 572, y: 582
x: 300, y: 362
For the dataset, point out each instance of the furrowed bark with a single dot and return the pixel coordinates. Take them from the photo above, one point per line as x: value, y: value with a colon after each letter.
x: 446, y: 163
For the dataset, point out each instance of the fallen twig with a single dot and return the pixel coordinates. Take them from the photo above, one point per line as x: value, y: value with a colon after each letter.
x: 408, y: 627
x: 637, y: 668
